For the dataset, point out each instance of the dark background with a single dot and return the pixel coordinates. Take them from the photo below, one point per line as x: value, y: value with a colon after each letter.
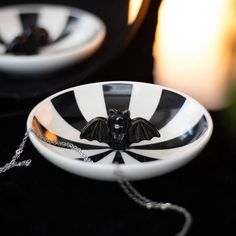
x: 45, y: 200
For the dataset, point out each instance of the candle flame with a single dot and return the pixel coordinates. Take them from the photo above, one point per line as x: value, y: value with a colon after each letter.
x: 134, y: 7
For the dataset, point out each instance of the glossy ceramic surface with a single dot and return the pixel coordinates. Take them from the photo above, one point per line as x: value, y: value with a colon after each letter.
x: 184, y: 126
x: 74, y: 35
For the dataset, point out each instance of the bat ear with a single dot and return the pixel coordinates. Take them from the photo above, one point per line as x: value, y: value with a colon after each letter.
x: 111, y: 111
x: 126, y: 113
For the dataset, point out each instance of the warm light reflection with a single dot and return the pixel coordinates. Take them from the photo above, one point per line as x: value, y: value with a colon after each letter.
x: 45, y: 113
x: 134, y: 7
x: 50, y: 136
x: 35, y: 126
x: 193, y: 48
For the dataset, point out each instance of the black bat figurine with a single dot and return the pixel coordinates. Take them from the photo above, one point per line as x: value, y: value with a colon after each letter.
x: 29, y: 42
x: 119, y: 130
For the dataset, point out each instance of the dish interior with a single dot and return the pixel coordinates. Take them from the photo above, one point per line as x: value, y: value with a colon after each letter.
x: 180, y: 120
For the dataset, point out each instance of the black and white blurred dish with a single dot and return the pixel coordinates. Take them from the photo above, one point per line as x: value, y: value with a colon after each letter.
x: 184, y: 125
x: 75, y: 34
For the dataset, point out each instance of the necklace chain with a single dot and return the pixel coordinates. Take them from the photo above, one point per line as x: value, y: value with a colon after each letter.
x: 14, y: 162
x: 141, y: 200
x: 125, y: 185
x: 62, y: 144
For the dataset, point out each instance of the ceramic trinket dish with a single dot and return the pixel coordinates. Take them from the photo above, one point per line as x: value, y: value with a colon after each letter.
x: 41, y: 38
x: 181, y: 127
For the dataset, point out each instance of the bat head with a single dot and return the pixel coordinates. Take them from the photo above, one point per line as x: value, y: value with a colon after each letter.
x: 118, y: 121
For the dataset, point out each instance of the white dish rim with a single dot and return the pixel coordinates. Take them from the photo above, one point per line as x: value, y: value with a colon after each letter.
x: 132, y: 172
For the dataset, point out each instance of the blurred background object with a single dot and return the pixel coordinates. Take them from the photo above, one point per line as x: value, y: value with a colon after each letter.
x: 194, y: 49
x: 38, y: 39
x: 122, y: 19
x: 19, y: 93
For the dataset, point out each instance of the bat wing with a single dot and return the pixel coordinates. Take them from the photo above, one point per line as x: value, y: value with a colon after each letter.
x: 96, y: 129
x: 142, y: 129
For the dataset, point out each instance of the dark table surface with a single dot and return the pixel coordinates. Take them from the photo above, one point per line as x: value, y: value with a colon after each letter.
x: 45, y: 200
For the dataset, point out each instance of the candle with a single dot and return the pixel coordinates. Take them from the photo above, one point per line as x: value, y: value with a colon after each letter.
x: 193, y: 48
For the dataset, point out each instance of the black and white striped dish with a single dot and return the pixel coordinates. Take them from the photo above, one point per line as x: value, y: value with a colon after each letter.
x: 74, y: 33
x: 185, y: 128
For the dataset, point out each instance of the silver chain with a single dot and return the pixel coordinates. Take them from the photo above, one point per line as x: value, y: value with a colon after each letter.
x: 63, y: 144
x: 125, y: 185
x: 14, y: 162
x: 137, y: 197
